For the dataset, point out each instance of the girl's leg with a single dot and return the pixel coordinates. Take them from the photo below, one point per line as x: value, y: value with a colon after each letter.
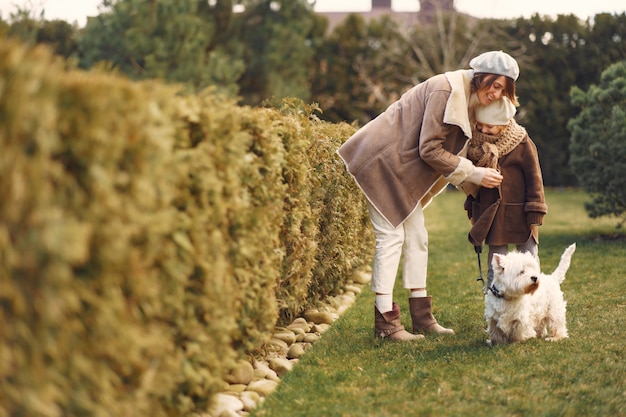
x: 530, y: 246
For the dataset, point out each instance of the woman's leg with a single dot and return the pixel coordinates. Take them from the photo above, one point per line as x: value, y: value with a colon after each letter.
x: 389, y: 242
x: 414, y: 269
x: 415, y: 252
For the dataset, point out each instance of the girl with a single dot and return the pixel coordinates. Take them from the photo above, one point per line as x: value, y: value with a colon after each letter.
x: 512, y: 212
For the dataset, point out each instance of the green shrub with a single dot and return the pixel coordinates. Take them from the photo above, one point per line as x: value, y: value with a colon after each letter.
x: 345, y: 232
x: 151, y: 239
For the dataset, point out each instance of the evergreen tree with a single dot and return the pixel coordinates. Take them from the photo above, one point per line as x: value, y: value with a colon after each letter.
x: 24, y: 25
x: 561, y: 53
x: 606, y: 44
x: 32, y: 28
x: 278, y: 37
x: 554, y: 46
x: 598, y: 142
x: 178, y: 41
x: 335, y: 83
x: 4, y: 28
x: 60, y: 36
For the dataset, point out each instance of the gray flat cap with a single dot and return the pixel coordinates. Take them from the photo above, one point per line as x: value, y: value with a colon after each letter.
x: 496, y: 62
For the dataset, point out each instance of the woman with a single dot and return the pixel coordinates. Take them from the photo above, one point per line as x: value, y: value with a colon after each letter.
x: 405, y: 157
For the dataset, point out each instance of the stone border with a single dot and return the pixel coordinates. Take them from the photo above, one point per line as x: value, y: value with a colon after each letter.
x: 249, y: 384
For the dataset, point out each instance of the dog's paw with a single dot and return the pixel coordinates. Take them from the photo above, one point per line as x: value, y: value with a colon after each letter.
x: 555, y: 338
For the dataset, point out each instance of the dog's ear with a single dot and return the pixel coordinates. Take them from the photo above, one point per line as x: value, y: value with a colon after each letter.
x: 498, y: 262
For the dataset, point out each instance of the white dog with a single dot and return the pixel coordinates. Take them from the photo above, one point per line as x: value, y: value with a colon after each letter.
x: 522, y: 302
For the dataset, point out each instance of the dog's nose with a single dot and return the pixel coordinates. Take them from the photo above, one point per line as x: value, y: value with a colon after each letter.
x: 533, y: 279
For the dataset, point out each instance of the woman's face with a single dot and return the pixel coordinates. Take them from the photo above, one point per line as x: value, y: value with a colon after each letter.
x: 492, y: 92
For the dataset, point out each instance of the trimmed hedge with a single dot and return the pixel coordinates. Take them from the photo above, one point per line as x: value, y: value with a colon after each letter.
x: 150, y: 239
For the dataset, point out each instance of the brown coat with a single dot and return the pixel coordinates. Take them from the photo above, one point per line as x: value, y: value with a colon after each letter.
x: 521, y: 198
x: 410, y: 152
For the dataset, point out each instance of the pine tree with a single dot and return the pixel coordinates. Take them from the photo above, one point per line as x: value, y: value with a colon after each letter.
x: 178, y: 41
x: 278, y: 37
x: 598, y: 142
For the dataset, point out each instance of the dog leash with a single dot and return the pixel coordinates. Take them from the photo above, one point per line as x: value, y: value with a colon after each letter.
x: 485, y: 288
x: 479, y: 250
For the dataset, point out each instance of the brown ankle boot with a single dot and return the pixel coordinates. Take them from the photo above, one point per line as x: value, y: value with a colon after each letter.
x: 423, y: 320
x: 387, y: 325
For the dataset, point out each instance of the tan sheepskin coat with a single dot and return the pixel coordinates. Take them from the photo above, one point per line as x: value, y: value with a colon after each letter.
x: 411, y: 151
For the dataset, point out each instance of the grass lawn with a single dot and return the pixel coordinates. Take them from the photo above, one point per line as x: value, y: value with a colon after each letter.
x: 350, y: 373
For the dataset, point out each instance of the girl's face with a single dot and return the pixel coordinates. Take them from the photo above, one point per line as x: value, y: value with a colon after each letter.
x: 492, y: 92
x: 491, y: 130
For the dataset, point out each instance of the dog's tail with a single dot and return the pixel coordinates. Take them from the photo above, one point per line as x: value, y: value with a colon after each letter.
x: 561, y: 270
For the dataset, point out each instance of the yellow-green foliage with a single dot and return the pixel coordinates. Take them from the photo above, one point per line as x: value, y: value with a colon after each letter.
x: 300, y: 222
x: 326, y: 232
x: 149, y: 239
x: 344, y: 230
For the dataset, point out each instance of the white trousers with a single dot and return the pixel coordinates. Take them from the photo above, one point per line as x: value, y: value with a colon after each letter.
x: 408, y: 241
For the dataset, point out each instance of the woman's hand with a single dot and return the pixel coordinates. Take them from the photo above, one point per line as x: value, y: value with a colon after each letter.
x: 491, y: 178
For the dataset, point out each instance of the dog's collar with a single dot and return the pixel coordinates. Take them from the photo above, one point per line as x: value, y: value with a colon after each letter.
x: 494, y: 290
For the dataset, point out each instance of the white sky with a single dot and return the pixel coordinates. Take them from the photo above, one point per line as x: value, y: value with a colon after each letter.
x: 78, y: 10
